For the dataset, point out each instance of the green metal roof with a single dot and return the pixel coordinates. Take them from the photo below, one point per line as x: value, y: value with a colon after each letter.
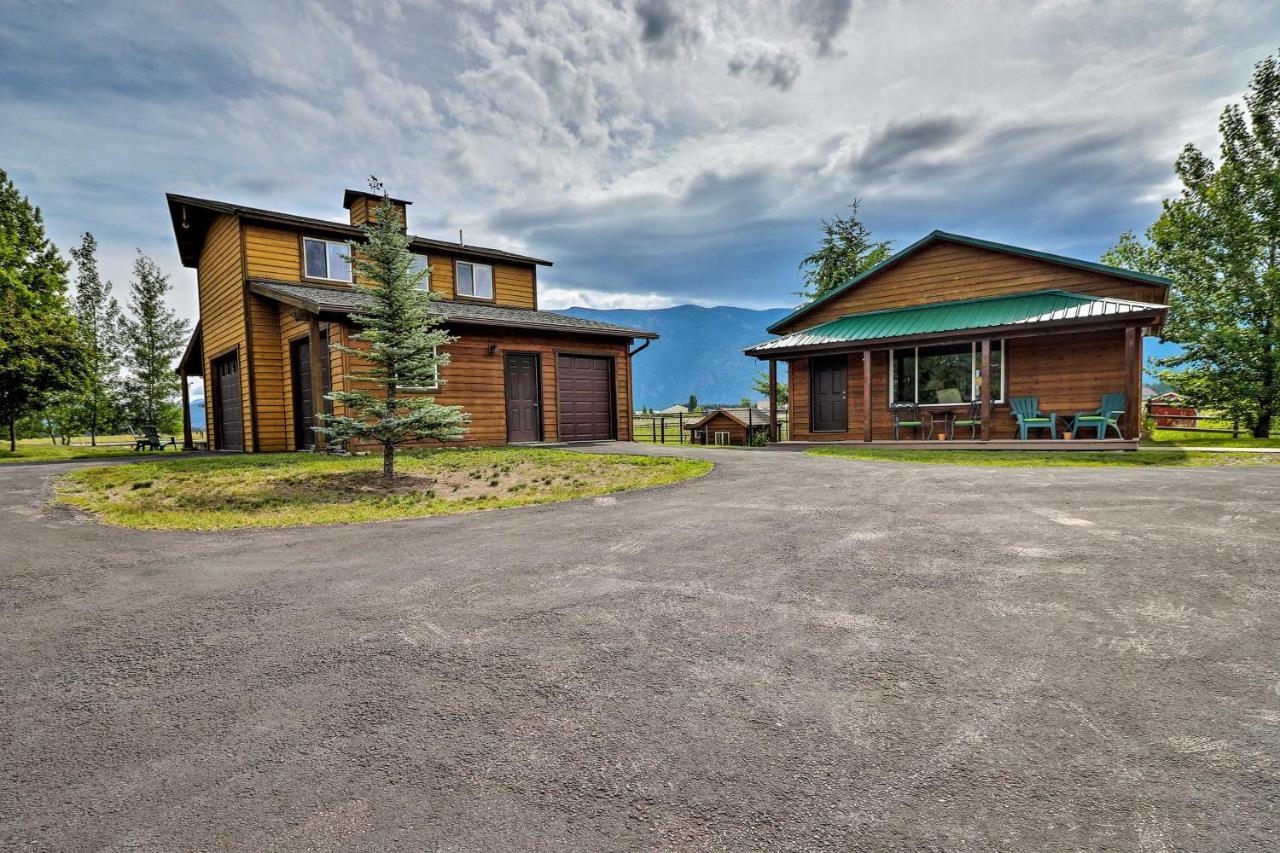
x: 940, y: 236
x: 1041, y: 306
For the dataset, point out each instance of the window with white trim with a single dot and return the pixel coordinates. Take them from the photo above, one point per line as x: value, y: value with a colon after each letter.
x: 722, y: 436
x: 945, y: 374
x: 420, y: 264
x: 474, y: 280
x: 326, y: 259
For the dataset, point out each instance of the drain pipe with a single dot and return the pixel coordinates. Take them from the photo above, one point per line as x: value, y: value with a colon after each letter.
x: 646, y: 343
x: 631, y: 377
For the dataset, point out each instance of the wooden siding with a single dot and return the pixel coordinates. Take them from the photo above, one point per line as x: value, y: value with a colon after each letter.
x: 363, y: 208
x: 475, y: 380
x: 270, y: 429
x: 1068, y: 372
x: 272, y: 253
x: 221, y: 297
x: 276, y: 253
x: 945, y: 272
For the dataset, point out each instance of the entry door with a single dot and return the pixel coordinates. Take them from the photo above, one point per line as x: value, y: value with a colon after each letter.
x: 830, y: 390
x: 303, y: 414
x: 230, y: 425
x: 585, y: 389
x: 524, y: 401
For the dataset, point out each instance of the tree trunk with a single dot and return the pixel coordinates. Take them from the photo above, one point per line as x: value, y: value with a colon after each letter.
x: 13, y: 436
x: 388, y: 461
x: 1262, y: 429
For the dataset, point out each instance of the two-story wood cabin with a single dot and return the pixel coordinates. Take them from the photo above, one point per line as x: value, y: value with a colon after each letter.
x: 929, y: 324
x: 275, y: 291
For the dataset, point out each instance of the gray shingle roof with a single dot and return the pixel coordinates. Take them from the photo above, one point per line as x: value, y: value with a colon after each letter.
x: 344, y: 300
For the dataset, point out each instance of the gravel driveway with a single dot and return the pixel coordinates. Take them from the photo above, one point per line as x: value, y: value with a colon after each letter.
x: 792, y: 653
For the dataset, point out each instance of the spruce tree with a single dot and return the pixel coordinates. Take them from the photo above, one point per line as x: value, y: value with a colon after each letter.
x: 101, y: 325
x: 845, y: 251
x: 40, y: 352
x: 402, y: 338
x: 155, y: 338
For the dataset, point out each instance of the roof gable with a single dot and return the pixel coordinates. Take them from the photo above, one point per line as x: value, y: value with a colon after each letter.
x: 939, y: 237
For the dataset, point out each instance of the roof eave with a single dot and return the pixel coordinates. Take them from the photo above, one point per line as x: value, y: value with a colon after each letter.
x: 315, y: 307
x: 1010, y: 330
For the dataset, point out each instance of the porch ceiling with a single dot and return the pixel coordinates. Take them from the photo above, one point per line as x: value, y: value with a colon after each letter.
x: 1015, y: 311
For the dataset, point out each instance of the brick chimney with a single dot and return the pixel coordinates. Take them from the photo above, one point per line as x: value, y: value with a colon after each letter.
x: 362, y: 206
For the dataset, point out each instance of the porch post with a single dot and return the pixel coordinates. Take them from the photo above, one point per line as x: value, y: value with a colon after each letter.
x: 317, y: 377
x: 985, y: 385
x: 773, y: 399
x: 186, y: 412
x: 866, y: 395
x: 1132, y: 380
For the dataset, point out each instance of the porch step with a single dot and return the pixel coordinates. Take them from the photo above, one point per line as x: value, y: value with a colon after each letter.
x: 1074, y: 445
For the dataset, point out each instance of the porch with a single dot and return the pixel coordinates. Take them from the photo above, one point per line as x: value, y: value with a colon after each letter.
x: 1077, y: 445
x: 959, y: 370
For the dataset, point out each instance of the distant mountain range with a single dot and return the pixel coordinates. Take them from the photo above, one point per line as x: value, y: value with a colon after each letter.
x: 699, y: 351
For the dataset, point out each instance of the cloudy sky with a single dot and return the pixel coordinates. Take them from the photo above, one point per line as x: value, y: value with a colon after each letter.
x: 660, y: 152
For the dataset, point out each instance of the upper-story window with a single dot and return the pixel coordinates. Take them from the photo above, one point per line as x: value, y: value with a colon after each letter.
x: 326, y: 259
x: 419, y: 265
x: 474, y: 280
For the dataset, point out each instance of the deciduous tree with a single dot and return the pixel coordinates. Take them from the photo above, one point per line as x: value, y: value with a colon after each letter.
x: 40, y: 352
x: 1219, y: 241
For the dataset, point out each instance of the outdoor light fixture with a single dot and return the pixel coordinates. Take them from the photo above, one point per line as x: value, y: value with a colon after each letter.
x: 493, y: 349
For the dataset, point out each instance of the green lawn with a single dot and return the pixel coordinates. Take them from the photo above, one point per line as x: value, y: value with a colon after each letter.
x: 1183, y: 438
x: 1049, y: 458
x: 41, y: 450
x: 287, y: 490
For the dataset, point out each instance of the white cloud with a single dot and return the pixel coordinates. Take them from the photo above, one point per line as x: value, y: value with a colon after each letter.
x: 552, y: 298
x: 655, y: 150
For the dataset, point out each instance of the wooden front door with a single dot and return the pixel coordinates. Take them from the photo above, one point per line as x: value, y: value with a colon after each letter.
x: 303, y: 415
x: 230, y: 417
x: 524, y: 398
x: 830, y: 391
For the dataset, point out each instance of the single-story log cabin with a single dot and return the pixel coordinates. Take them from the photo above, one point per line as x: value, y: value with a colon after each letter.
x: 275, y: 291
x: 927, y: 325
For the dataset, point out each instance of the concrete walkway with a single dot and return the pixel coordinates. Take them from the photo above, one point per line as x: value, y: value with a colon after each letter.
x: 791, y: 653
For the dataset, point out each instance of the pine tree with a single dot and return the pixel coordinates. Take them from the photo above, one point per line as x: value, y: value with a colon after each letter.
x: 403, y: 338
x: 155, y: 338
x: 40, y: 353
x: 1219, y: 241
x: 692, y: 405
x: 845, y: 251
x: 101, y: 325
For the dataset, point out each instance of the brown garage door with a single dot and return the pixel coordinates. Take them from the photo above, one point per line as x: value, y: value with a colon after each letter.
x: 585, y: 391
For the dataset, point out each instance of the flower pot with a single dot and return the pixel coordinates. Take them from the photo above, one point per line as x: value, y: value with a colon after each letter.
x: 942, y: 436
x: 1066, y: 436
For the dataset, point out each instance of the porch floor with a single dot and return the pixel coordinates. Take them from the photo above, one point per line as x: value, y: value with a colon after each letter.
x: 1075, y: 444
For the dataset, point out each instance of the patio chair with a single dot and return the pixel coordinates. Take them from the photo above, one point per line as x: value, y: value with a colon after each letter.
x: 1106, y: 415
x: 907, y: 415
x: 1027, y: 411
x: 151, y: 440
x: 972, y: 420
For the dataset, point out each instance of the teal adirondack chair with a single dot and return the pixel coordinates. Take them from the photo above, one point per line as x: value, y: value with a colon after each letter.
x: 1106, y: 415
x: 1027, y: 411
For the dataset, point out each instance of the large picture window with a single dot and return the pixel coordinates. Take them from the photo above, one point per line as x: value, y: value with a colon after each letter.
x: 944, y: 375
x: 326, y: 259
